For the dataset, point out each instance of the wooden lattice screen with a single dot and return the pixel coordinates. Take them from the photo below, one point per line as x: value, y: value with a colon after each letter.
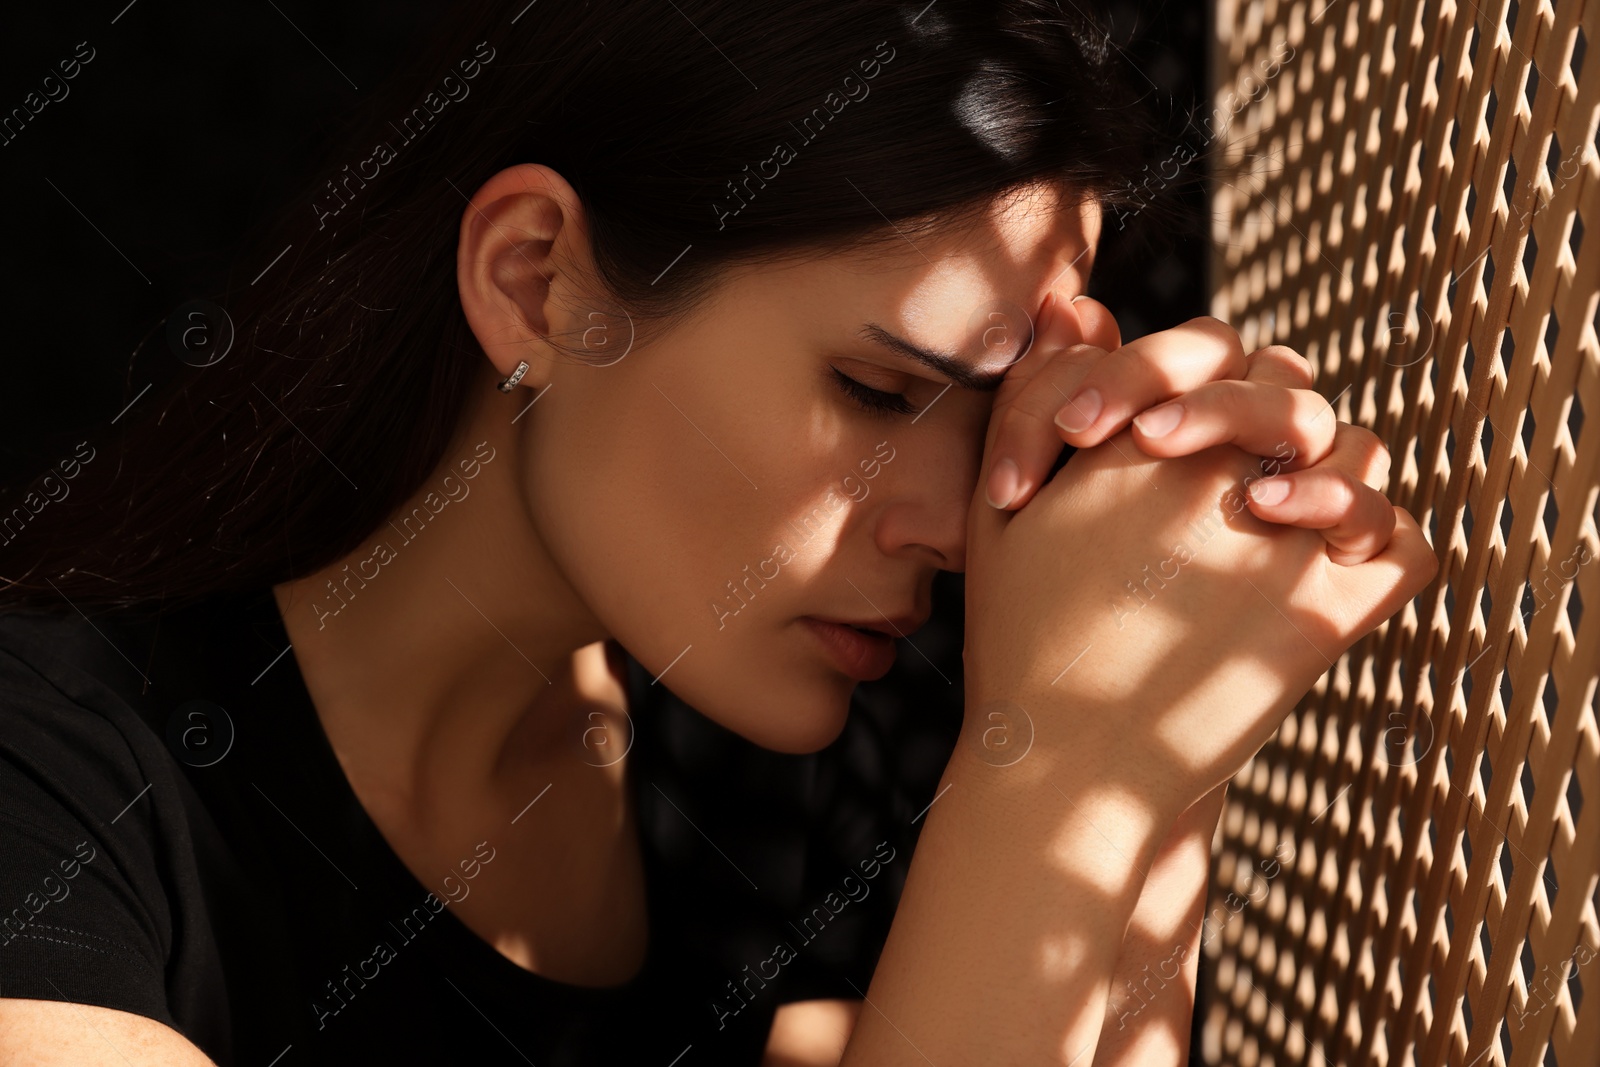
x: 1407, y: 872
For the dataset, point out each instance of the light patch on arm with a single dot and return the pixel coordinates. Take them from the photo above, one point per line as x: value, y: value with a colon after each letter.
x: 49, y: 1033
x: 811, y: 1033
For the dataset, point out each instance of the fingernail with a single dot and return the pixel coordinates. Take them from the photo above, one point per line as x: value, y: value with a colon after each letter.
x: 1080, y: 412
x: 1004, y: 480
x: 1158, y: 422
x: 1269, y: 490
x: 1077, y: 298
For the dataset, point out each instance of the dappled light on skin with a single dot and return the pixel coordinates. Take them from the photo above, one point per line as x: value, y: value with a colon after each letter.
x: 1059, y: 955
x: 1081, y: 831
x: 1036, y: 233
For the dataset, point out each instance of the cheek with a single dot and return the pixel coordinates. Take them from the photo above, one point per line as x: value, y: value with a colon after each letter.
x: 697, y: 556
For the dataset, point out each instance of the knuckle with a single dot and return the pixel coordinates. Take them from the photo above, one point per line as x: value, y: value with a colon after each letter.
x: 1343, y: 491
x: 1079, y: 356
x: 1324, y: 408
x: 1368, y: 445
x: 1284, y: 352
x: 1225, y: 336
x: 1363, y: 438
x: 1212, y: 325
x: 1230, y: 399
x: 1287, y: 357
x: 1018, y: 422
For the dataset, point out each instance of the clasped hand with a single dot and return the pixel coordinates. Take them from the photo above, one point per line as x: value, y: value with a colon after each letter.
x: 1218, y: 539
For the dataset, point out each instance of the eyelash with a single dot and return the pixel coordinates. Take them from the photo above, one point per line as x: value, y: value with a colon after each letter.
x: 873, y: 401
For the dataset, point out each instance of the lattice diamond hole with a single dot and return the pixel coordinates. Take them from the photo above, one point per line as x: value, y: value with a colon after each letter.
x: 1550, y: 699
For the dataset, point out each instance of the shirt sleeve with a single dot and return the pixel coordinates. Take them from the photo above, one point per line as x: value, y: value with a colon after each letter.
x: 83, y: 913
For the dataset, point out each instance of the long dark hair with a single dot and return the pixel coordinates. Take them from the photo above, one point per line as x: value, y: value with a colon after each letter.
x: 352, y: 358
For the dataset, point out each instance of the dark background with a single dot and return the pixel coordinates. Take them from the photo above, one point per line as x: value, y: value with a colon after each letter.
x: 131, y: 196
x: 193, y: 121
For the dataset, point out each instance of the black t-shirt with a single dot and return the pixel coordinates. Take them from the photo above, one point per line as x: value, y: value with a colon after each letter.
x: 178, y: 840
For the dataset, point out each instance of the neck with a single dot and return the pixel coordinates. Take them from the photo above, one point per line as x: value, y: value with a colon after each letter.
x: 448, y: 648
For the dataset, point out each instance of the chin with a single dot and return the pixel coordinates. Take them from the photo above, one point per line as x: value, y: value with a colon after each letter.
x: 794, y: 726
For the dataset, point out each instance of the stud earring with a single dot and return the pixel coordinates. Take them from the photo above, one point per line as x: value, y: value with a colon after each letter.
x: 510, y: 383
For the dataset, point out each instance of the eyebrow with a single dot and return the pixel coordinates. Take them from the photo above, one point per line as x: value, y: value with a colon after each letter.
x: 950, y: 366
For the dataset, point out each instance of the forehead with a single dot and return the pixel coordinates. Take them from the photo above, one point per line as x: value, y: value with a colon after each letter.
x: 947, y: 290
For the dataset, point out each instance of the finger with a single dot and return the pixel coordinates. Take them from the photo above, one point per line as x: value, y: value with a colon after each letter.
x: 1026, y: 443
x: 1056, y: 327
x: 1356, y: 520
x: 1021, y: 444
x: 1294, y: 425
x: 1359, y: 455
x: 1388, y: 580
x: 1099, y: 326
x: 1357, y: 451
x: 1155, y: 368
x: 1279, y: 365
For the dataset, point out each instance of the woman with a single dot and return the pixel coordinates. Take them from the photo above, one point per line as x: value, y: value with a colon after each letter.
x: 558, y: 406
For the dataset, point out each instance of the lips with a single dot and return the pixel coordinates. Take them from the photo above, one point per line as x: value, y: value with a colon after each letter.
x: 897, y: 626
x: 862, y: 655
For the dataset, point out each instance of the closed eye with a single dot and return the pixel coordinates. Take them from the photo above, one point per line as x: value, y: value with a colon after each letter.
x: 873, y: 401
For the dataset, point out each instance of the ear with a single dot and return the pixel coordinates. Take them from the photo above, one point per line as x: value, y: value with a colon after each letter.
x: 522, y: 244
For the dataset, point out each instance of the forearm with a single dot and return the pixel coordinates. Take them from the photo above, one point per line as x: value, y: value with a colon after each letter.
x: 1012, y: 918
x: 1152, y: 991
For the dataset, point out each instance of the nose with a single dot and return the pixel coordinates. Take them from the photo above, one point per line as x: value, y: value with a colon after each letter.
x: 924, y: 514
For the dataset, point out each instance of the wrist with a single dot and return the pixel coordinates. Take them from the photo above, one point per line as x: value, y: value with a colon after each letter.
x: 1071, y: 742
x: 1084, y: 807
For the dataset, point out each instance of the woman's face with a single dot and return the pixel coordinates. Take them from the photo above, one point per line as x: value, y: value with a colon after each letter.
x: 708, y: 491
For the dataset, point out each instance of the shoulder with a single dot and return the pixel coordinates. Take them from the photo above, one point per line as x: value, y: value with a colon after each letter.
x: 90, y: 824
x: 64, y: 721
